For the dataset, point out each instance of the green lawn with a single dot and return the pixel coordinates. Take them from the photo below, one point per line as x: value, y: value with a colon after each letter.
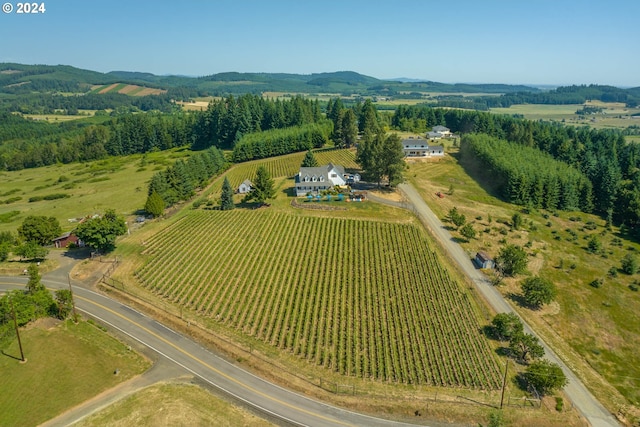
x: 66, y: 365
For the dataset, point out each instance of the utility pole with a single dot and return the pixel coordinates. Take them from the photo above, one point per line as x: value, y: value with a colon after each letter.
x: 504, y: 383
x: 15, y: 323
x: 73, y: 302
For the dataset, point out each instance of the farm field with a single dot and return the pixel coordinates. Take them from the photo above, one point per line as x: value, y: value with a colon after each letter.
x: 132, y: 90
x: 593, y: 328
x: 614, y: 115
x: 380, y: 308
x: 50, y: 382
x: 83, y: 188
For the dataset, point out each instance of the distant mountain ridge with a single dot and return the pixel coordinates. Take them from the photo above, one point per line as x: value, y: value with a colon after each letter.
x: 21, y: 78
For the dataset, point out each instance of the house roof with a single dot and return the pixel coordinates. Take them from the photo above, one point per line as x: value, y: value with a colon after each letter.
x: 63, y: 236
x: 436, y: 147
x: 415, y: 143
x: 483, y: 256
x: 321, y: 170
x: 247, y: 183
x: 439, y: 128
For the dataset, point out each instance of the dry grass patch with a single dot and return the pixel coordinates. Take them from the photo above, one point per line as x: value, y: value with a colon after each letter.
x: 165, y: 405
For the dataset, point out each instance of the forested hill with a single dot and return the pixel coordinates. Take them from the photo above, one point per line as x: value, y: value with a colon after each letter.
x: 562, y: 95
x: 20, y: 79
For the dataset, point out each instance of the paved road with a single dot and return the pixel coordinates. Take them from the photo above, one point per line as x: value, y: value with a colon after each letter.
x: 287, y: 407
x: 581, y: 398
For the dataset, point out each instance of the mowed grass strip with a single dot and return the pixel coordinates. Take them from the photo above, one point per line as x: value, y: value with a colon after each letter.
x: 165, y: 405
x: 66, y: 365
x: 366, y: 299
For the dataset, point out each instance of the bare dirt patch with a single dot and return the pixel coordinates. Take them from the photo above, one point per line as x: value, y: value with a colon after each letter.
x: 44, y: 323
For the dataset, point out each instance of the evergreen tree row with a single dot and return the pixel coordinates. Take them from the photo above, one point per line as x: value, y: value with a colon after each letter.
x: 611, y: 164
x: 525, y: 175
x: 179, y: 182
x: 277, y: 142
x: 142, y: 133
x: 225, y: 121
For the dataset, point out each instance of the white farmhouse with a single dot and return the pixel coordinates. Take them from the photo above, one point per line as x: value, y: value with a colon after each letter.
x: 421, y: 148
x: 315, y: 180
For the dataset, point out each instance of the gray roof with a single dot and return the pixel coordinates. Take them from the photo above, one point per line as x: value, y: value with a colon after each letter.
x: 247, y: 183
x: 321, y: 170
x: 439, y: 128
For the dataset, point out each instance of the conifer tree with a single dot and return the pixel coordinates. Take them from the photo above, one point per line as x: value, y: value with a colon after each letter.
x: 309, y: 160
x: 154, y: 205
x: 262, y: 187
x: 226, y: 198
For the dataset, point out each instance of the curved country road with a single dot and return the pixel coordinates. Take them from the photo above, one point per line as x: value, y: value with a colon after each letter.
x: 582, y: 399
x: 288, y: 407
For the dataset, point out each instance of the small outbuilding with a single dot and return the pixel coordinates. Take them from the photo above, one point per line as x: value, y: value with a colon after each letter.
x: 245, y: 187
x: 484, y: 260
x: 65, y: 240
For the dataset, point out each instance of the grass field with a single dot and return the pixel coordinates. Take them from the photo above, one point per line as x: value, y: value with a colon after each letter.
x: 614, y: 116
x: 66, y: 365
x: 93, y: 187
x: 170, y: 405
x: 594, y: 328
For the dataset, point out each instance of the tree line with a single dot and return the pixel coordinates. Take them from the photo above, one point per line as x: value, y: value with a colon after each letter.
x: 604, y: 156
x: 575, y: 94
x: 535, y: 179
x: 179, y: 181
x: 227, y: 120
x: 276, y: 142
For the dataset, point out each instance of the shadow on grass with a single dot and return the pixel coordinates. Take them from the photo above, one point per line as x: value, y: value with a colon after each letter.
x: 11, y: 356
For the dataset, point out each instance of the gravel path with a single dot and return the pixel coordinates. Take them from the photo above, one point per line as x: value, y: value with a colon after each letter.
x: 582, y: 399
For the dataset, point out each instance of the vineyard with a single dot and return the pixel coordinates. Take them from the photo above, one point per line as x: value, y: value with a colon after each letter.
x: 367, y: 299
x: 285, y: 166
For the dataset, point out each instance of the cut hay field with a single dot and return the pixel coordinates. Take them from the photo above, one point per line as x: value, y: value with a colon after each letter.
x: 133, y: 90
x: 366, y: 299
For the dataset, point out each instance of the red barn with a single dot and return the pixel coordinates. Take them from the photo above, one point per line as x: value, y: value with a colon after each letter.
x: 66, y: 239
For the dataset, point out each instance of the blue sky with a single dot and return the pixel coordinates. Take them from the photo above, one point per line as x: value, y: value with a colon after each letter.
x: 480, y: 41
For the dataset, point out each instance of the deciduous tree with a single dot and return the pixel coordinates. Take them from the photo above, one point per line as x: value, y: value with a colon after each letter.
x: 467, y: 231
x: 545, y: 376
x: 507, y: 325
x: 39, y: 229
x: 100, y: 233
x: 525, y: 347
x: 538, y: 291
x: 511, y: 260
